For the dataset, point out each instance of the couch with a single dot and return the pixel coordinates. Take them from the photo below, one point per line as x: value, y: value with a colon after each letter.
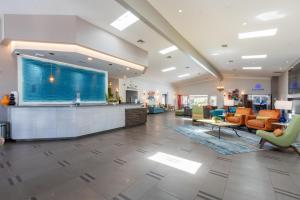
x: 239, y: 117
x: 217, y: 113
x: 264, y: 120
x: 155, y: 110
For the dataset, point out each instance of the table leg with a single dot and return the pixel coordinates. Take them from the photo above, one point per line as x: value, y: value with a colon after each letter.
x: 236, y: 132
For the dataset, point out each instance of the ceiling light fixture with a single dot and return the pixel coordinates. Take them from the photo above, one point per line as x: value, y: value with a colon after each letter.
x: 257, y: 34
x: 127, y: 68
x: 245, y: 24
x: 90, y: 59
x: 180, y: 11
x: 124, y: 21
x: 168, y: 69
x: 168, y: 50
x: 268, y: 16
x: 255, y: 56
x: 51, y: 77
x: 252, y: 68
x: 72, y: 48
x: 183, y: 75
x: 215, y: 54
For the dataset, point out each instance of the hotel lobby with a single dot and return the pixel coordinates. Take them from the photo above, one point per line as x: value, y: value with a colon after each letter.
x: 149, y: 100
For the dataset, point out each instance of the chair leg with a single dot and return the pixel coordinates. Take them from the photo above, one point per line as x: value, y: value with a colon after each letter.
x: 262, y: 142
x: 296, y: 149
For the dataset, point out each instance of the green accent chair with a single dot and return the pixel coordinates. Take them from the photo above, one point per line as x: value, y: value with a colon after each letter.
x: 289, y: 136
x: 197, y: 112
x: 179, y: 112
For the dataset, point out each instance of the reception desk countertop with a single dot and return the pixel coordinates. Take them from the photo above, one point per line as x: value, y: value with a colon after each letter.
x: 65, y: 121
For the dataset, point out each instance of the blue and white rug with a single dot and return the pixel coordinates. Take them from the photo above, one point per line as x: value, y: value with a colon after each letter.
x: 229, y: 143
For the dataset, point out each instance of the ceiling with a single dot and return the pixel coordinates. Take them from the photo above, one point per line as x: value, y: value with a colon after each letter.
x: 101, y: 13
x: 208, y: 24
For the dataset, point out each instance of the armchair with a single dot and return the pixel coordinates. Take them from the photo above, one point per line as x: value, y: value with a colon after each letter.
x: 197, y: 112
x: 264, y: 120
x: 289, y: 136
x: 239, y: 117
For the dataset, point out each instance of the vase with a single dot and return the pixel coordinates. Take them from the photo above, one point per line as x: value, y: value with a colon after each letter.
x: 12, y: 100
x: 5, y: 100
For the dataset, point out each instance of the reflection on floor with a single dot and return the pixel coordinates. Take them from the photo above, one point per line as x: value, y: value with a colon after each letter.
x: 116, y: 166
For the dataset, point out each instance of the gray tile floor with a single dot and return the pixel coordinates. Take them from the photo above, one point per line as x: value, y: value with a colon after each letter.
x: 114, y: 166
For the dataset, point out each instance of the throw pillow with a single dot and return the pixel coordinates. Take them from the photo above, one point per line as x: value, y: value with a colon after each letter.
x: 263, y: 118
x: 278, y: 132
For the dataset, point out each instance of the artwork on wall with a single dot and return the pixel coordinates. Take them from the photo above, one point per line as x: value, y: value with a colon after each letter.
x: 44, y: 81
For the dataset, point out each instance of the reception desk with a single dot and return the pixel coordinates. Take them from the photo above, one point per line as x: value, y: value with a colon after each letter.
x: 54, y: 122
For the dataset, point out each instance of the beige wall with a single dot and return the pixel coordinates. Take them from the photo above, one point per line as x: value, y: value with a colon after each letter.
x: 144, y: 85
x: 245, y: 84
x: 8, y: 71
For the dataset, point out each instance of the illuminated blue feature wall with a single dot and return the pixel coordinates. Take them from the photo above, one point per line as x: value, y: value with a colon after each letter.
x: 68, y: 81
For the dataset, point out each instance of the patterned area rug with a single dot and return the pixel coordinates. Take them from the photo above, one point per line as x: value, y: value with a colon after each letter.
x: 229, y: 143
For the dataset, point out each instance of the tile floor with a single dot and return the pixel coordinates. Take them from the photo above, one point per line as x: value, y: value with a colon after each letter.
x: 114, y: 166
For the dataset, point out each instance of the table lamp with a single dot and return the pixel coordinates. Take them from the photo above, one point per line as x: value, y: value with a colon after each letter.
x: 283, y: 106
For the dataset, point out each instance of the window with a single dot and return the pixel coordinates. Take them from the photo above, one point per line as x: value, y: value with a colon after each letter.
x: 199, y: 100
x: 213, y: 101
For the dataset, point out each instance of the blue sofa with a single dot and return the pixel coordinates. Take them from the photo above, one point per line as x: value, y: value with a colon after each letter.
x: 155, y: 110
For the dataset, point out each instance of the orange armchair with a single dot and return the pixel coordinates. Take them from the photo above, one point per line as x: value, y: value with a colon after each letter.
x: 239, y: 117
x: 264, y: 120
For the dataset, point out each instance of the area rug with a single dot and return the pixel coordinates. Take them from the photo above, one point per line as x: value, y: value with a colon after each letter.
x: 229, y: 143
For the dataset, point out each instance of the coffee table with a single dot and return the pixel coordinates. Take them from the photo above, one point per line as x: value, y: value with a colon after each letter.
x: 220, y: 124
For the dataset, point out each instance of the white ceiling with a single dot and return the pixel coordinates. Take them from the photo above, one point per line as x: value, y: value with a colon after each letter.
x: 207, y: 24
x: 102, y: 13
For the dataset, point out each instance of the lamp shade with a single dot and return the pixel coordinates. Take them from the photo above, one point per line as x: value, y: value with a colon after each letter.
x: 228, y: 102
x: 284, y: 105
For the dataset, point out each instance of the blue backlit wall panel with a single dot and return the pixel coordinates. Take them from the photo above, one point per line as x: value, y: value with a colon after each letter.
x: 35, y: 86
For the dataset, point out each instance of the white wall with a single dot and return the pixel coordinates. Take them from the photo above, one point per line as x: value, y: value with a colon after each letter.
x: 144, y: 85
x: 244, y: 84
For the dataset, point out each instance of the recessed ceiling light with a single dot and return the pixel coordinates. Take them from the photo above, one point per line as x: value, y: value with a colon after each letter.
x: 140, y: 41
x: 124, y: 21
x: 168, y: 69
x: 268, y: 16
x: 127, y: 68
x: 257, y: 34
x: 183, y: 75
x: 255, y: 56
x: 180, y: 11
x: 168, y: 50
x: 215, y: 54
x: 89, y: 58
x: 252, y: 68
x: 245, y: 24
x: 39, y: 54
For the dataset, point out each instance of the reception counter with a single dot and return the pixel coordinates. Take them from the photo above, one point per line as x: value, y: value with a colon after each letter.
x: 54, y: 122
